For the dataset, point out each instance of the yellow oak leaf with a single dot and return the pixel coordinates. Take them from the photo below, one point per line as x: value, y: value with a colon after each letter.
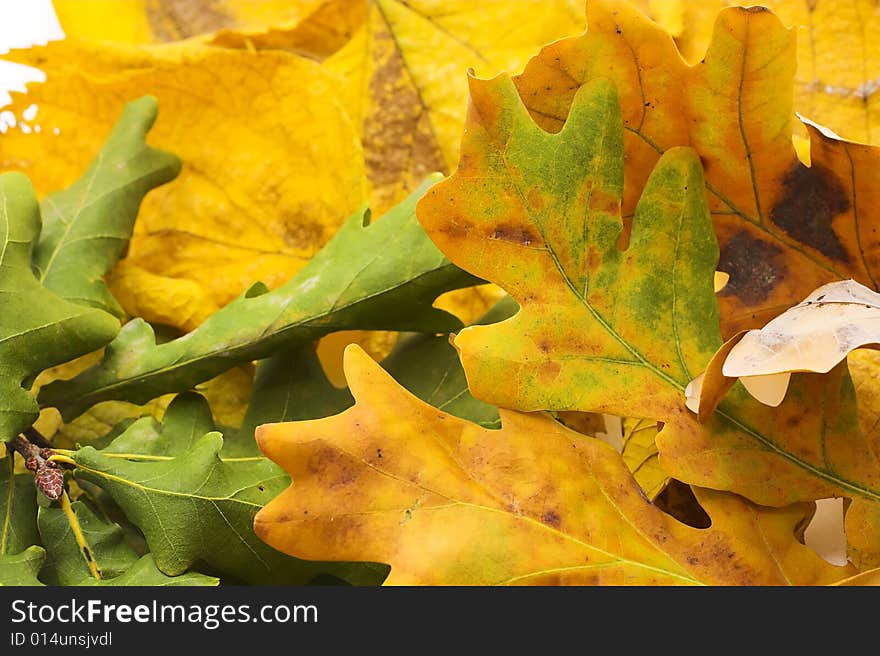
x: 405, y: 77
x: 445, y: 501
x: 271, y: 163
x: 152, y: 21
x: 640, y: 455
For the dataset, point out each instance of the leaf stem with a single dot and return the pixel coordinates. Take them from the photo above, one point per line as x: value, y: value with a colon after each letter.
x: 80, y: 538
x: 59, y: 457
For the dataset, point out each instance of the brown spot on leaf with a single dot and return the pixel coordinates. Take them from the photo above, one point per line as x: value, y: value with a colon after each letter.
x: 515, y: 233
x: 535, y: 199
x: 456, y: 229
x: 551, y: 518
x: 752, y: 267
x: 601, y: 201
x: 399, y: 141
x: 174, y: 20
x: 812, y: 197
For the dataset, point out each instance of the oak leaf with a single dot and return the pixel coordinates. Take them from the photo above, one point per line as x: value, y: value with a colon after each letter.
x: 272, y: 164
x: 38, y: 328
x: 834, y: 85
x: 87, y: 227
x: 530, y: 503
x: 195, y: 506
x: 784, y: 228
x: 384, y: 275
x: 407, y: 103
x: 538, y: 213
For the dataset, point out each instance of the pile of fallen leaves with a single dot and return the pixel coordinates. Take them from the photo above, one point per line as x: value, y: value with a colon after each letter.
x: 368, y: 306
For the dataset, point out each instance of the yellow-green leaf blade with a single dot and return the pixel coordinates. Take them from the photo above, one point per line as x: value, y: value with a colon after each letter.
x: 539, y: 215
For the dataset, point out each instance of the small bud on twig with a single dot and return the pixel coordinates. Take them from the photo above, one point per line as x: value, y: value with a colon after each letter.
x: 48, y: 478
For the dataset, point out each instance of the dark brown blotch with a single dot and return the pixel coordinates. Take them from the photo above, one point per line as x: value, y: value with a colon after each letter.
x: 812, y: 197
x: 516, y: 234
x: 552, y: 518
x: 752, y: 266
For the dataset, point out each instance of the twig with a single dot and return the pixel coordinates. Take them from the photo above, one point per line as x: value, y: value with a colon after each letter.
x: 48, y: 478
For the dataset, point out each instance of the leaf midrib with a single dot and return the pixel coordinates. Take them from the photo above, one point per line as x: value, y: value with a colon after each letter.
x: 566, y: 536
x: 644, y: 362
x: 265, y: 336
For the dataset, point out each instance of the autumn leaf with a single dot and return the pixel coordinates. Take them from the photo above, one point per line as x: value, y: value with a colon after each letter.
x: 783, y: 228
x: 408, y: 101
x: 194, y: 506
x: 87, y: 227
x: 38, y: 328
x: 538, y: 214
x: 531, y: 503
x: 381, y: 276
x: 836, y: 55
x: 271, y: 163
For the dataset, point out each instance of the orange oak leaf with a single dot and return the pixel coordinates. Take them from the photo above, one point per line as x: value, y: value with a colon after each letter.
x: 622, y: 330
x: 784, y: 228
x: 445, y: 501
x: 837, y: 60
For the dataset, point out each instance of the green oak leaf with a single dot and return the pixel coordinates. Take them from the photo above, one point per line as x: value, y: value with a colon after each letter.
x: 196, y: 508
x: 119, y: 563
x: 38, y: 328
x: 291, y: 385
x: 18, y: 509
x: 288, y: 386
x: 21, y: 569
x: 86, y: 227
x: 65, y: 563
x: 381, y: 276
x: 428, y: 366
x: 145, y: 572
